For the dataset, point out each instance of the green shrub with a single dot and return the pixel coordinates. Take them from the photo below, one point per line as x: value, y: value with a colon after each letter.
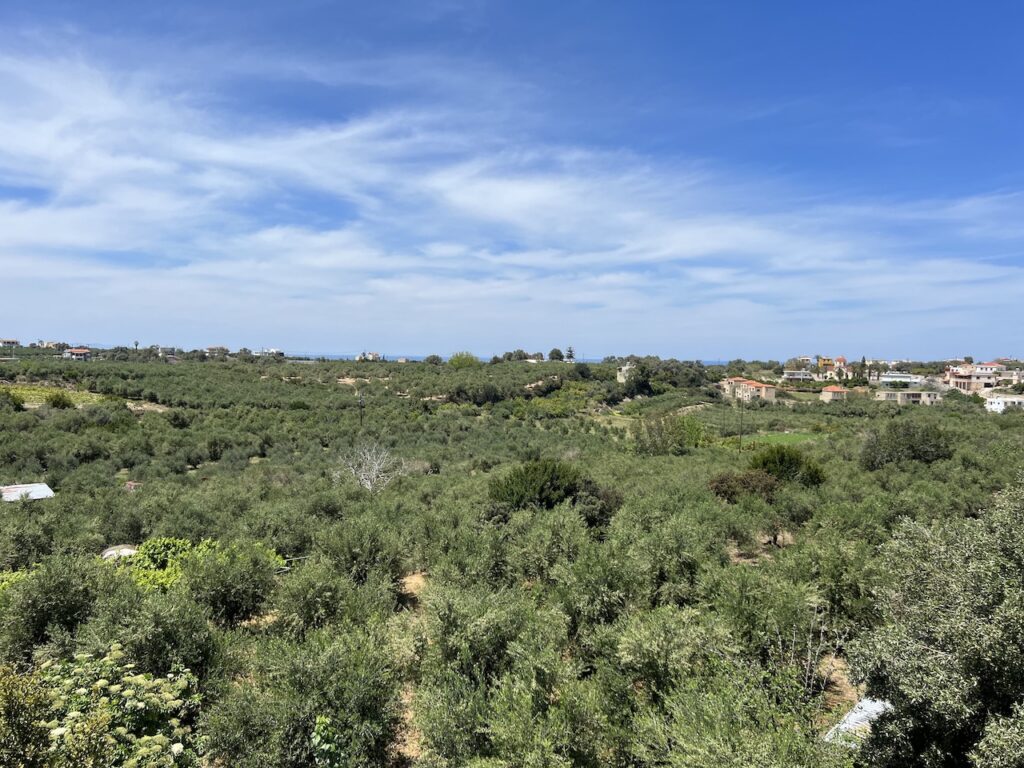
x: 669, y: 435
x: 171, y: 631
x: 316, y: 594
x: 461, y: 361
x: 157, y: 563
x: 59, y: 399
x: 731, y: 486
x: 330, y: 698
x: 11, y: 401
x: 545, y: 483
x: 905, y: 441
x: 787, y: 464
x: 48, y: 605
x: 232, y: 581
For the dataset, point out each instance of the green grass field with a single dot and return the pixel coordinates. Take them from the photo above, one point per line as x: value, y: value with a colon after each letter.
x: 36, y: 394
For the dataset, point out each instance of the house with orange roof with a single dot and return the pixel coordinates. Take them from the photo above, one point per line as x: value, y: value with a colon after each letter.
x: 77, y: 353
x: 832, y: 393
x: 739, y: 388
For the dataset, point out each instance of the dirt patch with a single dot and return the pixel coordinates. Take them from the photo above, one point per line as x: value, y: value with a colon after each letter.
x: 840, y: 693
x: 408, y: 745
x: 760, y: 551
x: 413, y: 584
x: 535, y: 384
x: 262, y: 621
x: 138, y: 406
x: 691, y: 408
x: 738, y: 557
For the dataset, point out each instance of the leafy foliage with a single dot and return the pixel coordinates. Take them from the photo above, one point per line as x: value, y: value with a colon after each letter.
x: 786, y: 464
x: 905, y: 441
x: 96, y: 712
x: 948, y: 652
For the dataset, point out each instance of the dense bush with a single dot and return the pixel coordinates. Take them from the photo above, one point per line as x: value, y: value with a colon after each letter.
x: 59, y: 400
x: 232, y: 581
x: 330, y: 701
x: 948, y: 654
x: 546, y: 483
x: 669, y: 435
x: 786, y: 464
x: 733, y: 485
x: 316, y: 594
x: 49, y: 604
x: 905, y: 441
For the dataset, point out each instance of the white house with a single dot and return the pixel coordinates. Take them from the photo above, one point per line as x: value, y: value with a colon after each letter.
x: 899, y: 377
x: 77, y: 353
x: 999, y: 403
x: 797, y: 376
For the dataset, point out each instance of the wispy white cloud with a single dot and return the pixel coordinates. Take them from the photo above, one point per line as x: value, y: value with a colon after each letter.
x: 145, y: 205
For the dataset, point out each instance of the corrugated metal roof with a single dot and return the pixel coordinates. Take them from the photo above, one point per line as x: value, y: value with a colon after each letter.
x: 857, y: 722
x: 28, y: 490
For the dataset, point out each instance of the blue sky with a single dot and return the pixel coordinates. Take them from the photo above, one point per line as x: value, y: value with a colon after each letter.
x: 698, y: 179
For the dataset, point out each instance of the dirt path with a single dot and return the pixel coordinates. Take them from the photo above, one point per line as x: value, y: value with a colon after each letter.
x: 408, y: 745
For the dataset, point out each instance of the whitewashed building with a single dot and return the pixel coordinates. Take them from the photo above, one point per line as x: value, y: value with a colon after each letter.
x: 999, y: 403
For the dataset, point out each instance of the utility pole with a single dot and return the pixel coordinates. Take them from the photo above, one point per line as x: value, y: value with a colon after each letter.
x: 739, y: 404
x: 362, y: 405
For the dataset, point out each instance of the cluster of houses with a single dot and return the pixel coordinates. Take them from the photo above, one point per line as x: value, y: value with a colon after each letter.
x: 825, y: 369
x: 970, y: 378
x: 894, y: 385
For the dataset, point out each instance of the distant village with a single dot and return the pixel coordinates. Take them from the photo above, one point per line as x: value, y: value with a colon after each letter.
x: 1000, y: 383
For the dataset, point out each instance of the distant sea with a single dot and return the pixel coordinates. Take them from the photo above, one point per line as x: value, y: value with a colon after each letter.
x: 419, y: 358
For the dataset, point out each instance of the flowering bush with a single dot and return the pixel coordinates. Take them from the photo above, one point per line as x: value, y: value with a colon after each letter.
x: 97, y: 712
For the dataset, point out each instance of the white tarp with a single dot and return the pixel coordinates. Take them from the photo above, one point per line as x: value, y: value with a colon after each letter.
x: 31, y: 491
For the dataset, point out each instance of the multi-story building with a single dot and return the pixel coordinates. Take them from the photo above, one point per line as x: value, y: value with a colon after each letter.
x: 908, y: 397
x: 77, y: 353
x: 738, y: 388
x: 972, y: 377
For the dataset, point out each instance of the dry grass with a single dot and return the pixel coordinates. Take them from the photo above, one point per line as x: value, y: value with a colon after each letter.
x: 138, y: 406
x: 760, y: 551
x: 408, y: 745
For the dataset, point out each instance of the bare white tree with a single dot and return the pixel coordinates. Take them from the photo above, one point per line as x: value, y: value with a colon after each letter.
x: 372, y: 465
